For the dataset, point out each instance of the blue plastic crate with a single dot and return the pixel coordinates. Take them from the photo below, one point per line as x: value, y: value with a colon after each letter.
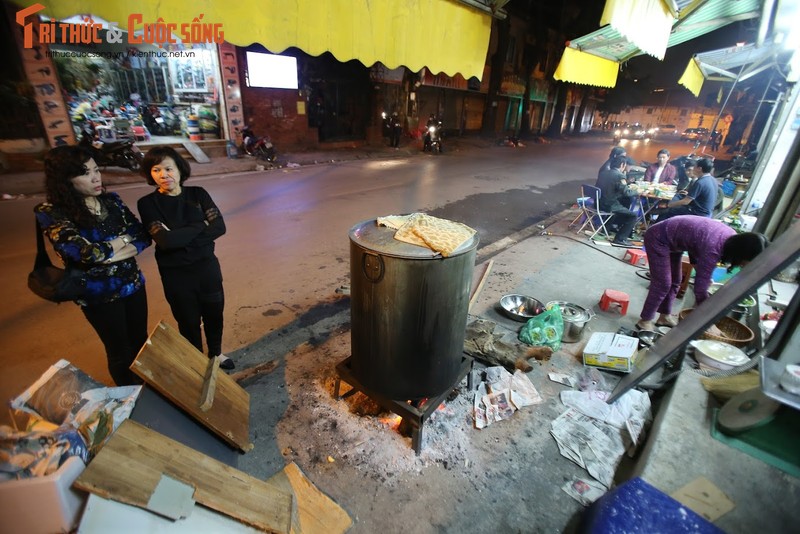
x: 637, y: 507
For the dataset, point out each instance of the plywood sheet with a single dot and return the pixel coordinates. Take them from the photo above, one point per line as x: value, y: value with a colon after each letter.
x: 177, y: 370
x: 315, y: 512
x: 129, y: 467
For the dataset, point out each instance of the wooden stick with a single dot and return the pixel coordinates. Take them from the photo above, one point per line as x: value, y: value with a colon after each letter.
x: 480, y: 284
x: 209, y: 385
x: 260, y: 369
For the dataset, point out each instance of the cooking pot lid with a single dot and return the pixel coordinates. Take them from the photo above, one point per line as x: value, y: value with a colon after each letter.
x: 380, y: 239
x: 569, y: 311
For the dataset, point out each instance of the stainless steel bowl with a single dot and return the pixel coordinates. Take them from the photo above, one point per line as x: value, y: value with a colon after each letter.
x: 648, y: 337
x: 521, y: 307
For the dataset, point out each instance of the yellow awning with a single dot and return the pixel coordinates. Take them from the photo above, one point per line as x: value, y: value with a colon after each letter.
x: 644, y: 23
x: 692, y: 77
x: 444, y: 35
x: 579, y: 67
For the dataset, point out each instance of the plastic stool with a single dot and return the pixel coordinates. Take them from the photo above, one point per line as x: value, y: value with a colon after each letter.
x: 616, y: 297
x: 636, y: 255
x: 646, y: 509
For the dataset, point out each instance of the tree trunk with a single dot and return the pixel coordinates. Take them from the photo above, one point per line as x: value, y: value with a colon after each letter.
x: 554, y: 129
x: 496, y: 76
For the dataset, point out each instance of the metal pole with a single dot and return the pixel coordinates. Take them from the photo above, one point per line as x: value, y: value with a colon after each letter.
x: 716, y: 121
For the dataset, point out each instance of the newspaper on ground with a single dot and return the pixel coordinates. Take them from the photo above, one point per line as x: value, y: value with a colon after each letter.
x: 633, y: 406
x: 561, y: 378
x: 599, y: 446
x: 501, y: 394
x: 595, y: 435
x: 584, y: 490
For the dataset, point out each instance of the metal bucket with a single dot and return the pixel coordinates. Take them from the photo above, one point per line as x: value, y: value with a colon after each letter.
x: 575, y: 319
x: 409, y: 313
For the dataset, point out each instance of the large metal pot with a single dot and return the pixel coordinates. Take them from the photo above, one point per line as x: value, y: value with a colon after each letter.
x: 575, y: 319
x: 409, y: 313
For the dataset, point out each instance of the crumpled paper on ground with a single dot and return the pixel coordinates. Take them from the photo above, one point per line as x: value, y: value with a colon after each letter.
x: 440, y: 235
x: 501, y: 395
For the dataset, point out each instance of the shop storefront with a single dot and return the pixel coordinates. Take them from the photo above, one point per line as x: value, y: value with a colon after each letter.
x: 457, y: 101
x: 135, y: 89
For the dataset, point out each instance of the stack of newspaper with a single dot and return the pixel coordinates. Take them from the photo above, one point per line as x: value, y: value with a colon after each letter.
x: 595, y: 435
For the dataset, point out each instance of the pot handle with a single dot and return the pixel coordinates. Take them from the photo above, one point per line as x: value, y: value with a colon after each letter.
x: 590, y: 313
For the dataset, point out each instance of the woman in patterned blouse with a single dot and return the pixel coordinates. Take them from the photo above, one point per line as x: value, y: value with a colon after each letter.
x: 95, y: 231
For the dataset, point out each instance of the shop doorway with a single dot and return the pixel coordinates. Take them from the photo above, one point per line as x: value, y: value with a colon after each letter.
x: 339, y: 98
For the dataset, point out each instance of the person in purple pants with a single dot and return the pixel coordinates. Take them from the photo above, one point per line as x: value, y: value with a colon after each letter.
x: 708, y: 243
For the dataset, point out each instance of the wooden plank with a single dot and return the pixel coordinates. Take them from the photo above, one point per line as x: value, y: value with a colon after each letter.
x: 177, y: 370
x: 129, y: 467
x: 482, y: 273
x: 209, y: 385
x: 196, y: 152
x: 316, y: 512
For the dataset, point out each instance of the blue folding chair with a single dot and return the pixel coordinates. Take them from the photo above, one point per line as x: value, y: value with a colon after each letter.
x: 595, y: 218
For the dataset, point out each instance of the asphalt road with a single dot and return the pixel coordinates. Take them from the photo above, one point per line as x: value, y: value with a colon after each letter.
x: 287, y: 249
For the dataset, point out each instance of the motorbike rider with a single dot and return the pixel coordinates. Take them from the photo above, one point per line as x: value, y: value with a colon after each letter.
x: 433, y: 121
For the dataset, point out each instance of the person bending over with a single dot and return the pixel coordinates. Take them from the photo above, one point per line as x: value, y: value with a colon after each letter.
x: 708, y: 243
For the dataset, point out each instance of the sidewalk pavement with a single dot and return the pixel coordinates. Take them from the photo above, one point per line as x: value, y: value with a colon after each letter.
x: 14, y: 184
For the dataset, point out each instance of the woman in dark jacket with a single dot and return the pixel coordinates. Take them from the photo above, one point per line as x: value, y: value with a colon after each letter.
x: 184, y: 222
x: 95, y: 231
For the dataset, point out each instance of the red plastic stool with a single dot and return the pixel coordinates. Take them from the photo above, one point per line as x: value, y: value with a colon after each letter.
x: 612, y: 296
x: 636, y: 255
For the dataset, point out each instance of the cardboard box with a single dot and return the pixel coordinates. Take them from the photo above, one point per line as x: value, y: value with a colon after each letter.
x: 608, y: 350
x: 43, y: 504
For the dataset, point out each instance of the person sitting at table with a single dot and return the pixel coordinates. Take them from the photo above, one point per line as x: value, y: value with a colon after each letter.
x: 699, y: 199
x: 662, y: 171
x: 616, y: 151
x: 615, y: 195
x: 708, y: 242
x: 685, y: 167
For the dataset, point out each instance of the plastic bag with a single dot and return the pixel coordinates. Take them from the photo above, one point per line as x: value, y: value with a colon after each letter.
x: 544, y: 329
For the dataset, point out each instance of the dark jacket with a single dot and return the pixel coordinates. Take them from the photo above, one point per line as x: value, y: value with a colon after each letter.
x: 615, y: 195
x: 184, y: 227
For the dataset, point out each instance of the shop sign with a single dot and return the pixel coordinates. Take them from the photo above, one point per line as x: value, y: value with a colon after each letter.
x: 512, y: 85
x: 443, y: 80
x: 158, y: 33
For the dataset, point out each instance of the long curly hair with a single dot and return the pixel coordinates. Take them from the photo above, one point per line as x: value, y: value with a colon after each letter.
x: 61, y: 165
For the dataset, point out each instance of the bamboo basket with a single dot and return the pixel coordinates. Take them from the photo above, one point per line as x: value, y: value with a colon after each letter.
x: 733, y: 331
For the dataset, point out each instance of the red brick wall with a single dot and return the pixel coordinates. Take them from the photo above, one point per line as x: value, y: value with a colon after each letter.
x: 273, y: 112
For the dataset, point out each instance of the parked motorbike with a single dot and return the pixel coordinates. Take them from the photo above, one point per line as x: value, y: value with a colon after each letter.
x: 258, y: 147
x: 160, y: 120
x: 433, y: 137
x: 117, y: 153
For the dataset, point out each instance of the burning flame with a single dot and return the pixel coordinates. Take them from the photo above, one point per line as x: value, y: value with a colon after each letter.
x: 392, y: 421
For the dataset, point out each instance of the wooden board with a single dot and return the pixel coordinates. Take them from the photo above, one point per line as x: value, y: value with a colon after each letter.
x: 315, y: 512
x: 196, y: 152
x: 177, y: 370
x: 128, y: 468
